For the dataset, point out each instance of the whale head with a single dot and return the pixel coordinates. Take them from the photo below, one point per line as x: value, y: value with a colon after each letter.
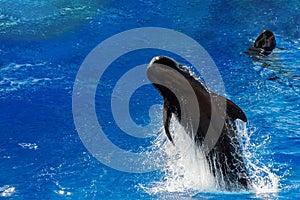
x: 186, y: 96
x: 264, y: 44
x: 167, y: 75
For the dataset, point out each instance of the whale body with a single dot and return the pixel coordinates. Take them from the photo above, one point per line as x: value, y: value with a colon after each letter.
x: 178, y: 85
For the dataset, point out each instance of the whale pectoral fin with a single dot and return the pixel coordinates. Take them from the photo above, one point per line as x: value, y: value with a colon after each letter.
x: 167, y: 114
x: 235, y: 112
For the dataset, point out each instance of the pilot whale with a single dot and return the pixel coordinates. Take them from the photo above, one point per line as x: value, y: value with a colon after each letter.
x: 178, y: 85
x: 264, y: 44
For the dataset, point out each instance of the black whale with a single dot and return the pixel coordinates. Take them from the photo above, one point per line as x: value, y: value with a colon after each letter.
x: 264, y: 44
x: 177, y: 85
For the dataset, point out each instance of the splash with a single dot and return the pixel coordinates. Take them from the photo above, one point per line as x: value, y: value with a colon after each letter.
x: 262, y: 178
x: 185, y: 167
x: 186, y: 170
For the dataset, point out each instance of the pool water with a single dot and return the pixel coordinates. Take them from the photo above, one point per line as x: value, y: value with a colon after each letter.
x: 42, y: 48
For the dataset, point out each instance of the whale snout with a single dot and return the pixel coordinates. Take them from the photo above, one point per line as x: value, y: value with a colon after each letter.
x: 165, y: 74
x: 161, y: 68
x: 163, y: 60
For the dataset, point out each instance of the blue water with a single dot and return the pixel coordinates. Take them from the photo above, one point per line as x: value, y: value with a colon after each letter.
x: 42, y: 46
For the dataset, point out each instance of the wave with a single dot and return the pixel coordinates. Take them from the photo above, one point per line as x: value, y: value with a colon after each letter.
x: 7, y: 191
x: 43, y: 19
x: 15, y: 77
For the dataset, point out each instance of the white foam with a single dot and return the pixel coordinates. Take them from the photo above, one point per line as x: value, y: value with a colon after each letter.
x: 262, y: 178
x: 14, y: 84
x: 18, y: 66
x: 33, y: 146
x: 7, y: 191
x: 185, y: 169
x: 14, y: 77
x: 61, y: 190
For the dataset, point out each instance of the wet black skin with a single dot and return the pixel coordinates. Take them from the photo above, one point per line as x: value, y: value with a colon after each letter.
x: 264, y: 44
x: 225, y: 159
